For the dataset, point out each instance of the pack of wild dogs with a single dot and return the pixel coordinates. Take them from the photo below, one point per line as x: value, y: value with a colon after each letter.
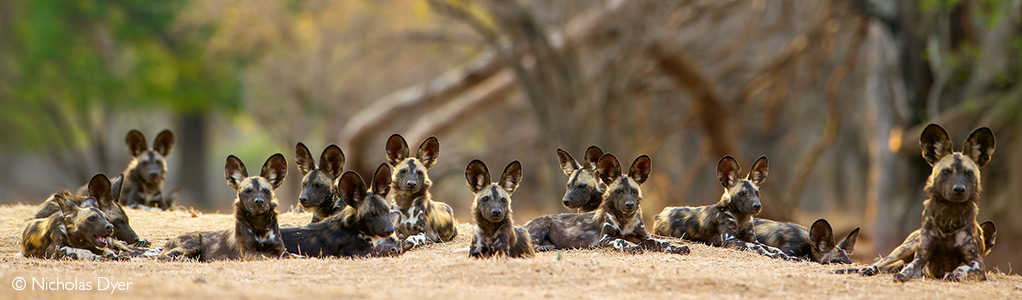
x: 393, y: 212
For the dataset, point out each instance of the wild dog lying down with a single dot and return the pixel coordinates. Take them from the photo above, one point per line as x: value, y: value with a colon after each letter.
x: 950, y: 244
x: 728, y: 222
x: 421, y: 219
x: 616, y: 224
x: 144, y: 177
x: 79, y: 230
x: 111, y: 209
x: 584, y: 190
x: 354, y: 230
x: 815, y: 244
x: 319, y: 195
x: 255, y: 233
x: 495, y: 230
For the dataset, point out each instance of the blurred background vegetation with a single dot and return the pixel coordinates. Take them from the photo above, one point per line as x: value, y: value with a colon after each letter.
x: 834, y: 92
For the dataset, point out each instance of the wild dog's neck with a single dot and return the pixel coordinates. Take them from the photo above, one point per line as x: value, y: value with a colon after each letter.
x: 328, y: 204
x: 143, y: 184
x: 489, y: 227
x: 948, y: 216
x: 256, y: 223
x: 595, y: 201
x: 729, y: 207
x: 405, y: 199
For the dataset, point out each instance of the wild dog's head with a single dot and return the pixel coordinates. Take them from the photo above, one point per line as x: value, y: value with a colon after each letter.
x: 111, y: 209
x: 742, y: 194
x: 367, y: 208
x: 256, y: 193
x: 149, y: 165
x: 318, y: 181
x: 824, y: 251
x: 583, y: 186
x: 410, y: 175
x: 87, y: 226
x: 492, y: 199
x: 955, y: 176
x: 623, y: 193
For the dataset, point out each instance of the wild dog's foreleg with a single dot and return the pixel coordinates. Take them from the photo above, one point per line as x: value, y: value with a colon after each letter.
x: 733, y: 242
x: 664, y: 246
x: 539, y: 232
x: 611, y: 239
x: 969, y: 246
x: 65, y: 252
x: 922, y: 256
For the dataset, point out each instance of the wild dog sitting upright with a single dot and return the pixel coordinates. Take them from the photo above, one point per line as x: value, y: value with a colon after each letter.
x: 950, y: 244
x: 318, y: 193
x: 816, y: 243
x: 495, y: 230
x: 144, y: 177
x: 584, y: 190
x: 78, y: 231
x: 421, y: 219
x: 352, y: 231
x: 616, y: 224
x: 727, y: 223
x: 111, y: 209
x: 255, y: 232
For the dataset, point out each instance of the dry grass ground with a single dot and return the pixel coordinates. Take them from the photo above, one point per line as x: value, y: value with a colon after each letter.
x: 435, y: 272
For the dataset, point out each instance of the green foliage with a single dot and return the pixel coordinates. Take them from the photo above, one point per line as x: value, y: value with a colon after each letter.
x: 69, y: 59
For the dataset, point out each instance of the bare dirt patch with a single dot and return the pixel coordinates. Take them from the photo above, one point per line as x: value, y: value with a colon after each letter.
x: 436, y: 272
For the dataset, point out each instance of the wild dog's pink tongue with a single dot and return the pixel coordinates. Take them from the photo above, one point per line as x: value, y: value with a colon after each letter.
x: 101, y: 239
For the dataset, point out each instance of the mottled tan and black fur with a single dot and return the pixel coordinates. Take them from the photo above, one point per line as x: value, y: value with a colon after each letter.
x: 255, y: 233
x: 616, y: 224
x: 355, y: 231
x: 110, y: 207
x: 816, y: 243
x: 729, y: 221
x: 950, y: 244
x: 145, y: 174
x: 495, y: 231
x: 78, y: 231
x: 584, y: 190
x: 422, y: 219
x: 318, y: 194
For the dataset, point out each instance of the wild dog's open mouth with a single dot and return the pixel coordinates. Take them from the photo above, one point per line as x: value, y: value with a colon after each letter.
x: 100, y: 241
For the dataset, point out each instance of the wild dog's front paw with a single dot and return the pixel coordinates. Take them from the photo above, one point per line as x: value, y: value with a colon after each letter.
x: 545, y: 248
x: 869, y: 271
x: 683, y: 250
x: 417, y: 240
x: 903, y: 276
x: 632, y: 249
x: 143, y: 244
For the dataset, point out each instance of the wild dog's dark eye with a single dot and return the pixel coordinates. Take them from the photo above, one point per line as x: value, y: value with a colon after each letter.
x: 418, y: 172
x: 968, y: 172
x: 756, y: 192
x: 946, y: 170
x: 583, y: 185
x: 247, y: 190
x: 403, y: 171
x: 742, y: 194
x: 265, y: 190
x: 92, y: 217
x: 503, y: 199
x: 485, y: 198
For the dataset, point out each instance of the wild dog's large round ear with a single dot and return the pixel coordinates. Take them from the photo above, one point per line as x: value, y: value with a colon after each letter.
x: 511, y: 177
x: 135, y: 141
x: 274, y: 170
x: 428, y: 152
x: 67, y: 207
x: 99, y: 188
x: 303, y: 159
x: 234, y: 171
x: 592, y: 157
x: 821, y: 235
x: 640, y: 169
x: 609, y: 168
x: 568, y: 163
x: 980, y: 146
x: 397, y: 149
x: 164, y: 142
x: 332, y: 160
x: 350, y: 188
x: 759, y: 171
x: 477, y: 175
x: 728, y: 171
x: 935, y: 143
x: 848, y: 244
x: 989, y: 236
x: 381, y: 180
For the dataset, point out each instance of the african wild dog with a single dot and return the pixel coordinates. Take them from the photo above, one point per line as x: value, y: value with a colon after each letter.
x: 729, y: 221
x: 111, y: 209
x: 584, y: 190
x: 255, y: 233
x: 144, y: 177
x: 495, y: 230
x: 950, y: 244
x: 815, y: 244
x: 616, y: 224
x: 79, y: 230
x: 421, y: 218
x: 319, y: 195
x: 357, y: 229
